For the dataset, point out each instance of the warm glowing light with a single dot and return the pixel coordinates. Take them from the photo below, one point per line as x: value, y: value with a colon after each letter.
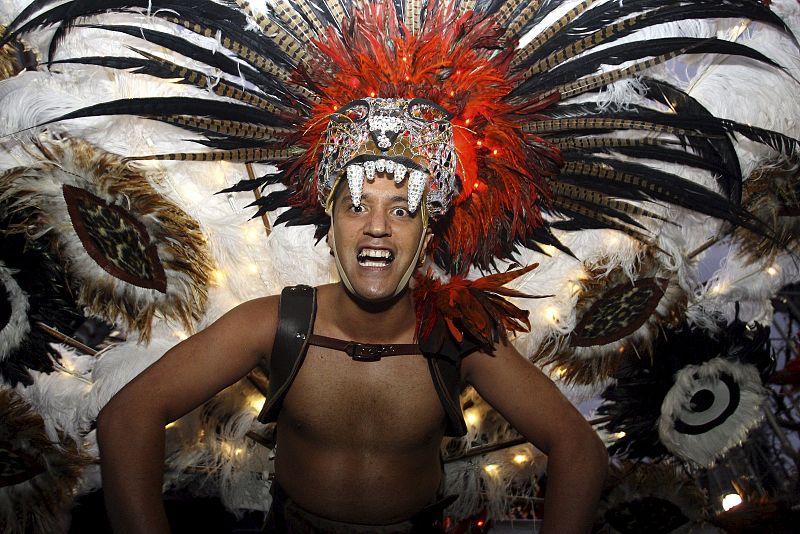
x: 551, y: 314
x: 719, y: 289
x: 408, y: 78
x: 621, y: 349
x: 257, y: 403
x: 405, y: 58
x: 252, y: 233
x: 219, y: 277
x: 574, y: 287
x: 772, y: 270
x: 180, y: 334
x: 372, y: 94
x: 520, y: 459
x: 494, y: 152
x: 560, y: 371
x: 548, y: 249
x: 253, y: 268
x: 466, y: 122
x: 618, y: 435
x: 730, y: 500
x: 476, y: 185
x: 171, y: 425
x: 491, y: 468
x: 479, y: 143
x: 479, y: 522
x: 190, y: 192
x: 472, y: 417
x: 452, y: 93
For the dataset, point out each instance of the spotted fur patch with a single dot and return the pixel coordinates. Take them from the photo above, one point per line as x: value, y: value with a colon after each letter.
x: 115, y: 239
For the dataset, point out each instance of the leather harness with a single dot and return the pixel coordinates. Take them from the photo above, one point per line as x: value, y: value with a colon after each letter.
x: 296, y: 314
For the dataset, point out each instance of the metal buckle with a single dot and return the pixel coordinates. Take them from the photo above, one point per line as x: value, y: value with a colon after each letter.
x: 365, y: 352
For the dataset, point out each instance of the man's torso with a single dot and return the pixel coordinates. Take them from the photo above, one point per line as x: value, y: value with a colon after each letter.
x: 359, y: 441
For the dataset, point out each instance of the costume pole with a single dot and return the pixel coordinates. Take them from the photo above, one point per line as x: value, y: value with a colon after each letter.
x: 787, y: 447
x: 252, y: 175
x: 66, y: 340
x: 492, y: 447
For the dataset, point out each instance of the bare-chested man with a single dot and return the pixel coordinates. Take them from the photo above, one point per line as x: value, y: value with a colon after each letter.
x: 358, y: 441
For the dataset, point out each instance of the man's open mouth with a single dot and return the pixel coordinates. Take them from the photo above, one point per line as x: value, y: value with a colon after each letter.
x: 375, y: 257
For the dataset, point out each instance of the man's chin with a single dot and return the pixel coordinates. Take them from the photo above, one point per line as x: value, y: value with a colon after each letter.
x: 375, y: 297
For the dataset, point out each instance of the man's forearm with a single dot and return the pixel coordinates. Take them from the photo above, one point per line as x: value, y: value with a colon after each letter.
x: 576, y: 471
x: 132, y: 460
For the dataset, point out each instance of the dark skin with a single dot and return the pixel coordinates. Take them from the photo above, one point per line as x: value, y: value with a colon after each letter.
x: 359, y: 441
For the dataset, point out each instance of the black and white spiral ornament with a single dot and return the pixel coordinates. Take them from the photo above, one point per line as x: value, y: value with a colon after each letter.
x: 711, y: 408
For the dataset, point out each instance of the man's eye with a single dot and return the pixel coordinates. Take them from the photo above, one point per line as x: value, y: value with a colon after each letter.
x: 356, y: 209
x: 400, y: 212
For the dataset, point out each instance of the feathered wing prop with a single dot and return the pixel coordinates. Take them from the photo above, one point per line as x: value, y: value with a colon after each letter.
x: 615, y: 314
x: 115, y: 233
x: 697, y: 397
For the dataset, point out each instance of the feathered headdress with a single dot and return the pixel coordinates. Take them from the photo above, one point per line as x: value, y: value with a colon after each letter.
x: 526, y: 141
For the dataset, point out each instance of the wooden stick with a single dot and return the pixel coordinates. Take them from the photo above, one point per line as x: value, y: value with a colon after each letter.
x: 492, y: 447
x: 66, y: 340
x: 702, y: 248
x: 252, y: 175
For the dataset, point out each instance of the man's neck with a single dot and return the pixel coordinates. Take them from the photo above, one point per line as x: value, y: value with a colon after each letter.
x: 389, y: 321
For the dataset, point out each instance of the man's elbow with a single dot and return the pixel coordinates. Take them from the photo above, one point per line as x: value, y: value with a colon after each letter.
x: 584, y: 443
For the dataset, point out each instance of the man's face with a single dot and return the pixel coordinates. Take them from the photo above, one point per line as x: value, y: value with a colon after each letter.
x: 377, y: 241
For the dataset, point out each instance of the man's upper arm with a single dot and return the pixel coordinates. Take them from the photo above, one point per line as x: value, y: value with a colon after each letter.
x: 205, y: 363
x: 527, y: 398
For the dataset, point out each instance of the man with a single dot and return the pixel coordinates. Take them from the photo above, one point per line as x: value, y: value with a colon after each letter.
x: 358, y: 441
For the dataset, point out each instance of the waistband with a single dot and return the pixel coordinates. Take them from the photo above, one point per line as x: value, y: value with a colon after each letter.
x: 285, y: 517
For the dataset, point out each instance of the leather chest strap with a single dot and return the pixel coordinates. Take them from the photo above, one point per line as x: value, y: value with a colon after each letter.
x: 295, y: 323
x: 364, y: 352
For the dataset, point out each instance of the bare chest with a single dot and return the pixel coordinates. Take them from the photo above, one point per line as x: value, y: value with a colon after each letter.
x: 388, y: 403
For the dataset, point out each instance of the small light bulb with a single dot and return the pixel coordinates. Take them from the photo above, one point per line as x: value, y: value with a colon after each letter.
x: 257, y: 403
x: 520, y: 459
x: 472, y: 417
x: 551, y: 314
x: 219, y: 277
x: 491, y: 468
x: 731, y: 500
x: 618, y: 435
x: 772, y: 270
x: 252, y: 234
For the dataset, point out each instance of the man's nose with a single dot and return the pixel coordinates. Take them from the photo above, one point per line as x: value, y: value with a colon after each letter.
x: 378, y: 224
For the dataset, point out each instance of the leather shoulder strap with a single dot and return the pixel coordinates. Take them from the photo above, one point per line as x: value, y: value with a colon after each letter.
x: 296, y: 314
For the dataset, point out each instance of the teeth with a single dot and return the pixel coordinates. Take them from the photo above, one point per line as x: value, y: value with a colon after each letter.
x: 375, y: 253
x: 380, y: 165
x: 399, y: 172
x: 389, y: 164
x: 369, y: 170
x: 416, y: 186
x: 367, y: 263
x: 374, y: 257
x: 355, y: 179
